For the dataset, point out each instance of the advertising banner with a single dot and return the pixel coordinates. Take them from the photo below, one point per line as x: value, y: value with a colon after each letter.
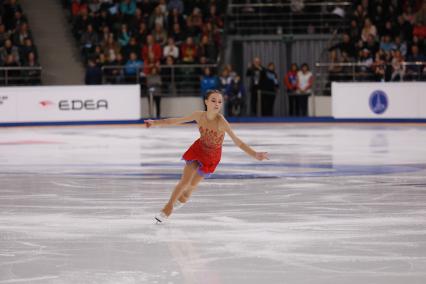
x: 69, y: 103
x: 379, y: 100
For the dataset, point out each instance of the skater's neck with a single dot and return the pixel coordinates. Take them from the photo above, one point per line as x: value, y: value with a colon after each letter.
x: 211, y: 115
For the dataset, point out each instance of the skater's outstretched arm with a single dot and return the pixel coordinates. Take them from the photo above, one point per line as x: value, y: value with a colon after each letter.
x: 243, y: 146
x: 173, y: 121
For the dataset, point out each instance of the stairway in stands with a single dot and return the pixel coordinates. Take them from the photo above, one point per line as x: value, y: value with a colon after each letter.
x: 59, y: 56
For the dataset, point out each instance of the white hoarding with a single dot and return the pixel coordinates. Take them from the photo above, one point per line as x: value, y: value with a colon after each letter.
x: 69, y: 103
x: 379, y: 100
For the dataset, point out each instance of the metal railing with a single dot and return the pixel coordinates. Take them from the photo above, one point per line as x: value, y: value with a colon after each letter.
x: 251, y: 17
x: 172, y: 80
x: 327, y: 72
x: 18, y: 76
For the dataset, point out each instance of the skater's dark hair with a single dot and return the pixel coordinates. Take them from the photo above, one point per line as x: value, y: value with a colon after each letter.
x: 209, y: 93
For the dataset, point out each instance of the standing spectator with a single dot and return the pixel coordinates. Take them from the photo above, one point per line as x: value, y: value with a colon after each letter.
x: 209, y: 81
x: 236, y: 94
x: 270, y: 91
x: 305, y: 81
x: 256, y: 74
x: 168, y: 76
x: 153, y: 83
x: 93, y: 73
x: 171, y: 49
x: 290, y: 81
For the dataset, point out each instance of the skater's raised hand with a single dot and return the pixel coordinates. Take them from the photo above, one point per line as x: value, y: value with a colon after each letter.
x: 148, y: 123
x: 261, y: 156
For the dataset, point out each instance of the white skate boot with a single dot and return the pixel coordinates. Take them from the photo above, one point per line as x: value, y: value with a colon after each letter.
x: 161, y: 218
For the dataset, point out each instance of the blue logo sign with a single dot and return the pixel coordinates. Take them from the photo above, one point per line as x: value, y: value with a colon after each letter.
x: 378, y: 102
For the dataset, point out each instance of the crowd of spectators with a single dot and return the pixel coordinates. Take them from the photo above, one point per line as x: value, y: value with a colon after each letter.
x: 146, y: 35
x: 17, y: 47
x: 385, y: 37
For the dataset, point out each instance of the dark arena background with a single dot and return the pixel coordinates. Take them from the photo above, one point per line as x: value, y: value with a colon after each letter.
x: 334, y: 91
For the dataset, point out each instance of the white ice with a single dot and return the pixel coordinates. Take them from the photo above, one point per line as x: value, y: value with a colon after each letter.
x: 337, y: 203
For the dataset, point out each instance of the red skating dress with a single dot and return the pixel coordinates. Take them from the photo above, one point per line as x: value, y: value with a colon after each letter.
x: 207, y: 151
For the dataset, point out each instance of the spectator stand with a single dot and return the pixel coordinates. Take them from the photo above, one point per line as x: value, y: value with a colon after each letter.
x: 127, y: 39
x: 18, y: 54
x: 382, y: 44
x: 285, y: 34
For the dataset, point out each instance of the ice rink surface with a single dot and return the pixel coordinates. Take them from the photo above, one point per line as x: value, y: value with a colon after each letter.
x: 337, y: 203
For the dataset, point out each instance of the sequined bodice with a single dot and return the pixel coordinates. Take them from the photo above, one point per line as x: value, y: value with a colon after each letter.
x: 210, y: 138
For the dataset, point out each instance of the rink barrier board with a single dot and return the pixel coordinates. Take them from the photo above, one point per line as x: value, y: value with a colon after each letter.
x: 251, y: 120
x: 379, y: 100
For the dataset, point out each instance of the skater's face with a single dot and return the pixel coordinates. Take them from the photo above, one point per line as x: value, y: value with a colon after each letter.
x: 214, y: 102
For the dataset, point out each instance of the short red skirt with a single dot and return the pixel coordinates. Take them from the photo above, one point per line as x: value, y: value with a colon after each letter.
x: 207, y: 158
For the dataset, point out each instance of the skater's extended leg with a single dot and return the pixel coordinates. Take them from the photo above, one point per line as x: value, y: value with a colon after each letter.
x: 188, y: 172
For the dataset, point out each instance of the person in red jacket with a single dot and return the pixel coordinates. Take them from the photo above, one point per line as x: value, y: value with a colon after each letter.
x: 205, y: 153
x: 290, y: 82
x: 151, y: 48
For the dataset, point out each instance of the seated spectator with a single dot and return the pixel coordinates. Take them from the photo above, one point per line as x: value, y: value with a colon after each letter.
x: 368, y: 29
x: 9, y: 49
x: 133, y: 46
x: 22, y: 34
x: 123, y: 37
x: 208, y: 49
x: 401, y: 45
x: 414, y: 71
x: 175, y: 4
x: 178, y: 35
x: 398, y: 67
x: 28, y: 47
x: 386, y: 44
x: 3, y: 34
x: 189, y: 51
x: 111, y: 47
x: 89, y: 39
x: 171, y: 49
x: 346, y: 45
x: 142, y: 34
x: 13, y: 75
x: 159, y: 34
x: 214, y: 18
x: 158, y: 17
x: 372, y: 45
x: 366, y: 60
x: 128, y: 9
x: 151, y: 48
x: 175, y: 17
x: 420, y: 22
x: 209, y: 81
x: 32, y: 77
x: 113, y: 73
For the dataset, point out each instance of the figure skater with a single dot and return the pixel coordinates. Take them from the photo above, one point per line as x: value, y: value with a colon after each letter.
x: 204, y: 154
